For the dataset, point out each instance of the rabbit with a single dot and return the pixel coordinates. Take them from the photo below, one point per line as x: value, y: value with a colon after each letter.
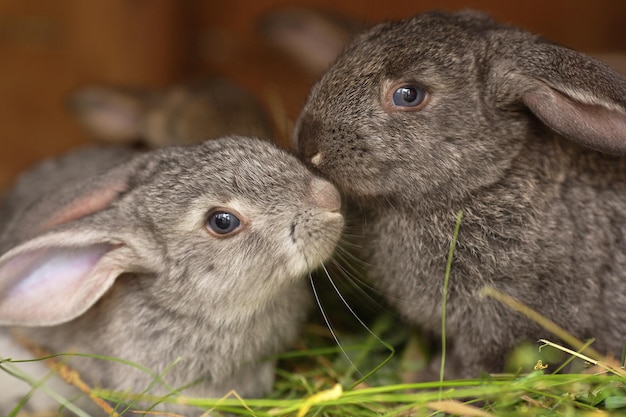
x: 181, y: 114
x: 197, y: 252
x: 420, y: 118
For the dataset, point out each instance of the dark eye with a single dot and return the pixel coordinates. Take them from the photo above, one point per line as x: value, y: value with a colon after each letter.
x: 222, y: 222
x: 408, y: 96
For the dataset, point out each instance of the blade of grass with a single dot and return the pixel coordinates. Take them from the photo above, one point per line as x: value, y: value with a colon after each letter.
x: 571, y: 358
x: 552, y: 327
x: 379, y: 326
x: 319, y: 398
x: 560, y: 389
x: 19, y: 374
x: 607, y: 367
x: 444, y: 295
x: 154, y: 382
x: 457, y: 408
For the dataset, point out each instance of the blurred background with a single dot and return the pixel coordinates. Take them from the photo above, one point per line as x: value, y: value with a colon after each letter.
x: 48, y: 49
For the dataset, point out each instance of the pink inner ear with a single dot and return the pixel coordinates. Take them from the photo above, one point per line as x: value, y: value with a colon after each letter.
x: 110, y: 114
x: 95, y: 201
x: 53, y: 285
x: 593, y: 126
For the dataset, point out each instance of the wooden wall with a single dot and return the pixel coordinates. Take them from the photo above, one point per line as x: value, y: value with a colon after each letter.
x: 50, y: 48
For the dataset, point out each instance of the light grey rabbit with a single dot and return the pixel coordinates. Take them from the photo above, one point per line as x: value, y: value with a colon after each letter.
x: 197, y: 252
x: 181, y: 114
x: 420, y: 118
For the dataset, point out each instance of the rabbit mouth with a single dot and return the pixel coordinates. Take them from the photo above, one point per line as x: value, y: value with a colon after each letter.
x: 315, y: 238
x: 315, y: 232
x: 316, y: 159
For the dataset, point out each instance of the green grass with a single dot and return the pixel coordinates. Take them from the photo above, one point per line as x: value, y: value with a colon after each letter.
x: 307, y: 379
x: 364, y: 376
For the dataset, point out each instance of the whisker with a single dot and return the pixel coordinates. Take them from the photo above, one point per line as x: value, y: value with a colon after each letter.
x: 358, y: 285
x: 330, y: 327
x: 356, y: 316
x: 346, y: 266
x: 390, y: 348
x: 348, y: 255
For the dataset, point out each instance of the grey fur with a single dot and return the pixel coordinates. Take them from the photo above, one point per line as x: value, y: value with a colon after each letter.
x: 499, y: 138
x: 221, y: 304
x: 177, y: 115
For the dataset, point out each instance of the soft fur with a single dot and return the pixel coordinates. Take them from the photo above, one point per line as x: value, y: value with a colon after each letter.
x: 184, y: 114
x: 156, y: 285
x: 499, y: 137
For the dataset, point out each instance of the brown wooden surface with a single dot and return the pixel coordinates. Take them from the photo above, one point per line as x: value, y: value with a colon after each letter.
x: 49, y: 48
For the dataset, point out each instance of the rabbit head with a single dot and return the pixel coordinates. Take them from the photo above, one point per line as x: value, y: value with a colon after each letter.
x: 178, y: 115
x: 447, y: 100
x: 199, y: 250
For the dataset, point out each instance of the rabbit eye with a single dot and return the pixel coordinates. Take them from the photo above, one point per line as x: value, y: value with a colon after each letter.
x: 408, y: 96
x: 222, y: 223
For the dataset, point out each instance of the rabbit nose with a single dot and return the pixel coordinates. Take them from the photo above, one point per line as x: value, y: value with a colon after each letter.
x: 324, y: 195
x: 308, y: 134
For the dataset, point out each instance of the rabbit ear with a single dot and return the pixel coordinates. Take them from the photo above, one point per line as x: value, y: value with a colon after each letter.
x: 98, y: 199
x: 591, y: 125
x: 55, y: 278
x: 75, y: 201
x: 575, y: 95
x: 109, y: 114
x: 314, y: 39
x: 69, y: 264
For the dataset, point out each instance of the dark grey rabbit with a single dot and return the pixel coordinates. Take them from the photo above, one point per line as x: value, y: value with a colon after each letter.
x: 182, y: 114
x: 196, y: 252
x: 420, y: 118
